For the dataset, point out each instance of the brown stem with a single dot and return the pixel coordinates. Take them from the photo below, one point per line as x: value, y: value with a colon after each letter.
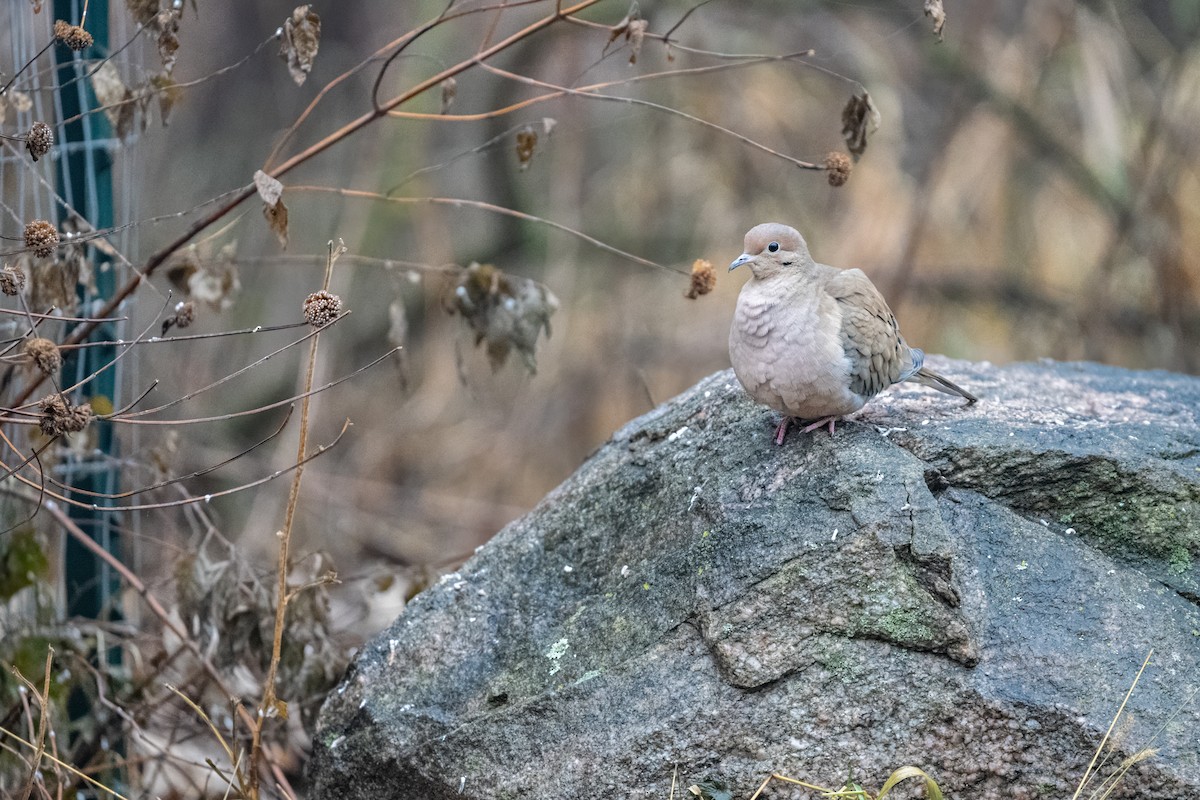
x: 151, y: 601
x: 270, y: 703
x: 462, y: 202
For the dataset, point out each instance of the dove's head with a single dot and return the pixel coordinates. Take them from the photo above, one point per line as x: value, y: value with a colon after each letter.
x: 772, y: 248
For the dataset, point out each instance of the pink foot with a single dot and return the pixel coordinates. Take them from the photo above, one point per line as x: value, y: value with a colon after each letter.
x: 782, y: 430
x: 821, y: 423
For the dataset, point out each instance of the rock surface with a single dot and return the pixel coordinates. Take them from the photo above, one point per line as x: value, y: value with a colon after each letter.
x: 966, y: 590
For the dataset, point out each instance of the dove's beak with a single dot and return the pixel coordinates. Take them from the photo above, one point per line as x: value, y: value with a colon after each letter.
x: 742, y: 259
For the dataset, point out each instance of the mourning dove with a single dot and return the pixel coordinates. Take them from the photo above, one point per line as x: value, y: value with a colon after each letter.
x: 812, y: 341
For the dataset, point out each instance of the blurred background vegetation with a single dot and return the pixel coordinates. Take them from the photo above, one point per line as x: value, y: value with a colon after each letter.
x: 1032, y: 191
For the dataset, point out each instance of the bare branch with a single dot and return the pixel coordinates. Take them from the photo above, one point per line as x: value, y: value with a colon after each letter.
x: 260, y: 409
x: 461, y: 202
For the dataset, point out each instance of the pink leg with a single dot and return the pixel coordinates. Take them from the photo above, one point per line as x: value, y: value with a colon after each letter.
x: 782, y: 430
x: 821, y: 423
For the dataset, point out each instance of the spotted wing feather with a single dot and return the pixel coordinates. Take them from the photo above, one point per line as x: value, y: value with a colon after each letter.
x: 878, y: 354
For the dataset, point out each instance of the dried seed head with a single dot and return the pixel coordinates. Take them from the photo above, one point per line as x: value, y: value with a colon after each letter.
x: 704, y: 278
x: 39, y: 140
x: 73, y: 36
x: 506, y: 312
x: 44, y: 354
x: 838, y: 165
x: 185, y: 314
x: 12, y: 280
x: 320, y: 308
x: 41, y: 237
x: 59, y: 416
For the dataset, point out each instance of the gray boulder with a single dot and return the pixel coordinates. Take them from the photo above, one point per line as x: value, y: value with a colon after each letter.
x: 969, y: 590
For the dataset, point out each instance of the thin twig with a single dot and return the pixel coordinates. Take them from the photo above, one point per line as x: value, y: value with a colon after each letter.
x: 223, y: 379
x: 184, y: 501
x: 64, y: 765
x: 748, y: 61
x: 172, y: 481
x: 462, y: 202
x: 260, y: 409
x: 269, y: 708
x: 43, y: 700
x: 657, y: 107
x: 158, y: 258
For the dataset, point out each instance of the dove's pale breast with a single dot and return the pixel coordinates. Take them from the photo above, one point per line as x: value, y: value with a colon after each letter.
x: 787, y: 350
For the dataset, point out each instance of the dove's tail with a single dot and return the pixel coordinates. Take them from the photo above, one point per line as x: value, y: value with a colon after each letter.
x: 928, y: 377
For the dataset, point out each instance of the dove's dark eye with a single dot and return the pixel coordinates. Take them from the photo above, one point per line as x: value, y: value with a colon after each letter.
x: 773, y: 246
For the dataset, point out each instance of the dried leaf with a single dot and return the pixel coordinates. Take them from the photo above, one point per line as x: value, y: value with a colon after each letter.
x: 527, y: 140
x: 622, y: 27
x: 163, y: 19
x: 449, y: 92
x: 278, y: 709
x: 37, y: 6
x: 143, y: 11
x: 860, y: 118
x: 216, y: 284
x: 182, y: 266
x: 397, y: 323
x: 506, y: 312
x: 634, y: 35
x: 163, y: 455
x: 167, y: 23
x: 110, y: 89
x: 277, y: 218
x: 934, y: 10
x: 633, y: 28
x: 21, y: 101
x: 145, y: 94
x: 203, y: 278
x: 73, y: 255
x: 269, y: 188
x: 301, y: 39
x: 141, y: 98
x: 398, y: 337
x: 618, y: 30
x: 168, y: 93
x: 230, y: 611
x: 526, y: 143
x: 49, y: 286
x: 102, y: 245
x: 114, y: 97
